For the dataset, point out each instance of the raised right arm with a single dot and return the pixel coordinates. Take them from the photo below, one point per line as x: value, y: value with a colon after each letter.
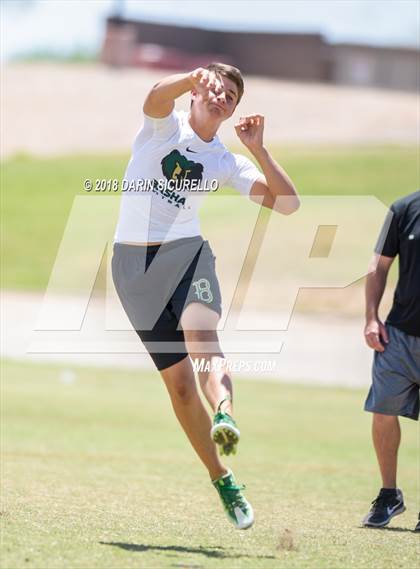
x: 160, y: 100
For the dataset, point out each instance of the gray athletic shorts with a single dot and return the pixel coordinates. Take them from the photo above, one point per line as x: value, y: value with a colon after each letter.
x: 156, y: 282
x: 396, y: 377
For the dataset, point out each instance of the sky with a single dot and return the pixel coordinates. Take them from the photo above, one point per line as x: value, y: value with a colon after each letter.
x: 67, y: 26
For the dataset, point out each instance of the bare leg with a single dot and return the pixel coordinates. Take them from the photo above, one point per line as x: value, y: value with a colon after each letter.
x: 217, y: 385
x: 199, y: 324
x: 193, y: 417
x: 386, y: 434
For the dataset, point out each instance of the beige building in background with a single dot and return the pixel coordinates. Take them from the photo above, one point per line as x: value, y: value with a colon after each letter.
x: 301, y: 57
x: 394, y: 68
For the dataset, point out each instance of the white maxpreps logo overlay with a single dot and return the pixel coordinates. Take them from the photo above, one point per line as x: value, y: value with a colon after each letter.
x: 274, y: 257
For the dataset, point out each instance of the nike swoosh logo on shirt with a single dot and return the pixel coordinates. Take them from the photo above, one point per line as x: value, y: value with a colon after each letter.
x: 189, y: 150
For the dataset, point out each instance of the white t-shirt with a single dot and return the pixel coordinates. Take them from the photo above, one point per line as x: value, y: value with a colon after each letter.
x: 169, y: 167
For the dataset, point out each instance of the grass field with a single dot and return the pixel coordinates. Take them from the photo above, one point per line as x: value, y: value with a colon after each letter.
x: 38, y: 195
x: 97, y: 473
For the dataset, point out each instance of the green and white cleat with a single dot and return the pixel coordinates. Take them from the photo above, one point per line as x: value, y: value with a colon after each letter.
x: 224, y: 432
x: 238, y: 509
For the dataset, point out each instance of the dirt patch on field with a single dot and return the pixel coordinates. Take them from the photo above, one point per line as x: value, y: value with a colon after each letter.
x: 52, y: 109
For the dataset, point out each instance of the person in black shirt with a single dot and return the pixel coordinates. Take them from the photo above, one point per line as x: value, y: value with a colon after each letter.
x: 396, y: 367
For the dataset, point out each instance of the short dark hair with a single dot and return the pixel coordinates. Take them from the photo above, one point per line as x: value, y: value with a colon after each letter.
x: 231, y: 73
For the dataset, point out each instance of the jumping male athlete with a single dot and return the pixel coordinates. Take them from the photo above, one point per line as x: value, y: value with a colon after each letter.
x: 163, y: 270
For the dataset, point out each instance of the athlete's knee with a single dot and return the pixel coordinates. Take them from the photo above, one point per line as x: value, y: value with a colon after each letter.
x: 180, y: 381
x: 384, y: 424
x: 200, y: 336
x: 385, y: 419
x: 201, y: 342
x: 182, y: 391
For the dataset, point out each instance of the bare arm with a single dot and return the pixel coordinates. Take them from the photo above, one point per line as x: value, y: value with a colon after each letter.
x: 160, y: 100
x: 275, y: 183
x: 375, y: 330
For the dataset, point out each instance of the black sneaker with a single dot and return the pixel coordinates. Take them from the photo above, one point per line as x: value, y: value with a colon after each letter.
x: 388, y: 504
x: 417, y: 528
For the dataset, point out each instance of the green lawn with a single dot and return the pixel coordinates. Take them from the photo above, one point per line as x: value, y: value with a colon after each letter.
x: 38, y: 195
x: 97, y: 473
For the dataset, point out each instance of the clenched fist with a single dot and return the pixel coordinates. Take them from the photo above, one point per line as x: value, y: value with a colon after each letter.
x: 376, y: 335
x: 205, y: 83
x: 250, y: 131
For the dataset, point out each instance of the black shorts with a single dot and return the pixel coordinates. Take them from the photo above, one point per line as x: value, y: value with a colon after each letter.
x: 156, y: 282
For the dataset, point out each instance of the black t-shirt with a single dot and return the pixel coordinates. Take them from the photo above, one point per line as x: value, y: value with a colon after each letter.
x: 403, y: 239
